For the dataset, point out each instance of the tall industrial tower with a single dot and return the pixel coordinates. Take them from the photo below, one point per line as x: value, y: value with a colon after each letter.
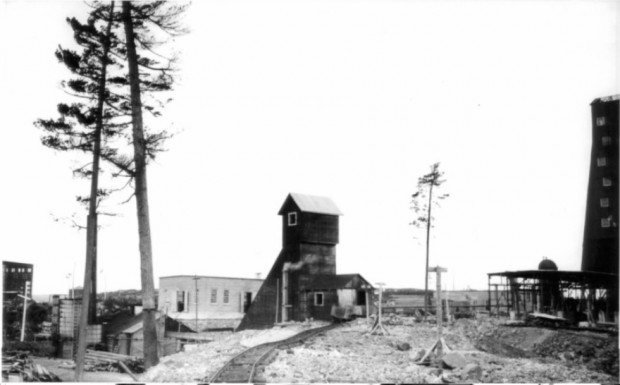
x: 600, y: 239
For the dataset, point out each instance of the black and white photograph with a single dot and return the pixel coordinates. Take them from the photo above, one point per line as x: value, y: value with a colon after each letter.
x: 310, y: 191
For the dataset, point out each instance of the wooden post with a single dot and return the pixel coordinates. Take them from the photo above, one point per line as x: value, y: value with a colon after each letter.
x: 497, y: 300
x: 439, y: 314
x: 489, y: 292
x: 440, y: 345
x: 367, y: 306
x: 378, y: 326
x: 447, y: 301
x: 285, y: 292
x: 277, y: 297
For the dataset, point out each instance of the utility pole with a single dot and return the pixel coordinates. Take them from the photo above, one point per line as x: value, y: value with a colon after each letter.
x: 196, y: 301
x: 26, y: 290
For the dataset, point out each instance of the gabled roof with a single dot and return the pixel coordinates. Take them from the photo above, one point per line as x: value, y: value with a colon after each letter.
x: 606, y: 99
x: 311, y: 204
x: 340, y: 281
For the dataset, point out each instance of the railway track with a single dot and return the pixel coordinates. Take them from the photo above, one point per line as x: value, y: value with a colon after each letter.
x: 246, y: 366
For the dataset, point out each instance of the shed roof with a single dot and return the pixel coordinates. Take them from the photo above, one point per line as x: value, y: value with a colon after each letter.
x: 128, y: 323
x: 311, y: 204
x: 590, y: 277
x: 340, y: 281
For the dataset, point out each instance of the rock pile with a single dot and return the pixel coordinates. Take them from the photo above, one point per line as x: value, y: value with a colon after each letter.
x: 348, y: 354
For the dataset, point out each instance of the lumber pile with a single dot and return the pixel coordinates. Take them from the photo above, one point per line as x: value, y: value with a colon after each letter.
x: 18, y: 367
x: 96, y: 360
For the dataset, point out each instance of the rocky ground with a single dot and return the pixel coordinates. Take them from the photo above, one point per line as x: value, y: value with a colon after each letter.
x: 491, y: 353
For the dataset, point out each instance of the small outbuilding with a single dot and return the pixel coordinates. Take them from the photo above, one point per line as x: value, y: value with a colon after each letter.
x: 124, y: 334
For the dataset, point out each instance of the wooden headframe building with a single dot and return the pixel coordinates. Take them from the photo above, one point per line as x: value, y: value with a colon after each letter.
x: 303, y: 283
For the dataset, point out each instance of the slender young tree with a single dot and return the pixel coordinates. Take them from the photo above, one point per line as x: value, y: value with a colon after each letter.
x: 422, y: 204
x: 139, y: 20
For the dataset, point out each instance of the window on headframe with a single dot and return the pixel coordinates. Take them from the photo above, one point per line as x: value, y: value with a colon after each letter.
x: 318, y: 299
x: 292, y: 219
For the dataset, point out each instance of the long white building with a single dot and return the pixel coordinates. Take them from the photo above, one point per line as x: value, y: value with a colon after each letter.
x: 216, y: 302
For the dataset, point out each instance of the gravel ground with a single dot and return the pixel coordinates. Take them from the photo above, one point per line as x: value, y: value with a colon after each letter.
x: 349, y: 355
x: 200, y: 362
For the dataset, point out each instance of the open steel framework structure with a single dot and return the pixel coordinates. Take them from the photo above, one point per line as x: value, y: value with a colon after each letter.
x: 573, y: 293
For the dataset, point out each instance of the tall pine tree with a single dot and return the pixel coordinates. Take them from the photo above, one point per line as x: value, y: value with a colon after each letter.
x: 148, y: 72
x: 82, y: 124
x: 422, y: 205
x: 98, y: 122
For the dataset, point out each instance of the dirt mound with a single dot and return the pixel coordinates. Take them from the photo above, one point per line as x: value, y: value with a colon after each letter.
x: 597, y: 351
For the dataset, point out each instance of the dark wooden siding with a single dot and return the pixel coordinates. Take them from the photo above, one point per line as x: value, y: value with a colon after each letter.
x: 310, y: 228
x: 262, y: 311
x: 330, y: 298
x: 318, y: 228
x: 600, y: 245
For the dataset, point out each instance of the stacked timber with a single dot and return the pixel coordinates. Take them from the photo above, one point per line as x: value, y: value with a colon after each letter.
x: 112, y: 362
x: 18, y: 367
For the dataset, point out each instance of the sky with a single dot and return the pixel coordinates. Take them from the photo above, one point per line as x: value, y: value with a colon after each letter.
x: 353, y: 100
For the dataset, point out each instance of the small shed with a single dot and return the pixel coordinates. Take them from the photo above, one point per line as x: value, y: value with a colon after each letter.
x: 341, y: 290
x: 124, y: 334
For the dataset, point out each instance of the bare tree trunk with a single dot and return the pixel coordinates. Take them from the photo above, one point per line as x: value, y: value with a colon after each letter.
x: 89, y: 296
x: 428, y: 235
x: 139, y: 145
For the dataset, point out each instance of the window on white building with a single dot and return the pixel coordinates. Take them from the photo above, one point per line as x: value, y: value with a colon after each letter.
x: 226, y: 296
x: 213, y: 295
x: 180, y: 301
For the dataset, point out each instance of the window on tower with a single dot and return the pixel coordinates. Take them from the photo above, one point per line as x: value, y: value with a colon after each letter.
x: 605, y: 222
x: 318, y: 299
x: 606, y: 140
x: 604, y: 202
x: 606, y: 182
x: 292, y: 219
x: 601, y: 161
x: 600, y: 121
